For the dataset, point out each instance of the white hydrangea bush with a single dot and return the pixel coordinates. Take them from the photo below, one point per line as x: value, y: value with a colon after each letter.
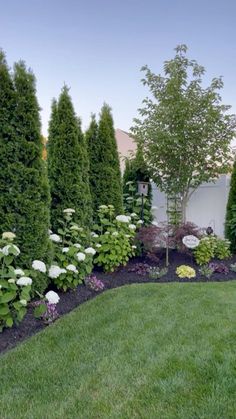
x: 114, y: 239
x: 15, y: 285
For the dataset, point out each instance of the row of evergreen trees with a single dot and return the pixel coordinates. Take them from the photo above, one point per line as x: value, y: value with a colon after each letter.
x: 83, y: 170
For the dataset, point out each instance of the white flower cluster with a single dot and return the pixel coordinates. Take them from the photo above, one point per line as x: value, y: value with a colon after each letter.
x: 123, y: 218
x: 72, y: 268
x: 8, y: 235
x: 55, y: 238
x: 52, y: 297
x: 69, y: 211
x: 55, y: 271
x: 19, y: 272
x: 65, y: 249
x: 90, y: 251
x: 24, y: 281
x: 80, y: 256
x: 140, y: 222
x: 94, y: 235
x: 115, y: 233
x: 9, y: 249
x: 40, y: 266
x: 77, y: 245
x: 132, y: 227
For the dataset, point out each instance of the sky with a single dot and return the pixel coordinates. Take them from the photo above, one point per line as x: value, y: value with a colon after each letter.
x: 97, y: 48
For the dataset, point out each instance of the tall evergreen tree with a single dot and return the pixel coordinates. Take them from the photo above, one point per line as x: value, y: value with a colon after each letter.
x: 94, y: 165
x: 24, y: 203
x: 66, y: 162
x: 230, y: 219
x: 109, y: 186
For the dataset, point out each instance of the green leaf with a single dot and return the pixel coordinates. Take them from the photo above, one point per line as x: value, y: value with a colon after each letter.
x: 40, y: 310
x: 8, y: 296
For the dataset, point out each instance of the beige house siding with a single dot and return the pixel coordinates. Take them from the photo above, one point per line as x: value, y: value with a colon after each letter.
x: 125, y: 144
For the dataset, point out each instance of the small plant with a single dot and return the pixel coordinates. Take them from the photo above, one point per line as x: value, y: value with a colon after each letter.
x: 219, y: 267
x: 94, y: 283
x: 139, y: 268
x: 185, y: 271
x: 46, y: 307
x: 222, y: 250
x: 155, y: 272
x: 206, y: 270
x: 233, y: 267
x: 205, y: 251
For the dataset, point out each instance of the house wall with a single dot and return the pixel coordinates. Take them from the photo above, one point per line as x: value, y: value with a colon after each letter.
x: 206, y: 207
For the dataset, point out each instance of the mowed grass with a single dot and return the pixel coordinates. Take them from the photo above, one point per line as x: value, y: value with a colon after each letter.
x: 140, y: 351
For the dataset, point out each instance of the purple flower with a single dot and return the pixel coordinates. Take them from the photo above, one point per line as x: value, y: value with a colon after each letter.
x: 93, y: 283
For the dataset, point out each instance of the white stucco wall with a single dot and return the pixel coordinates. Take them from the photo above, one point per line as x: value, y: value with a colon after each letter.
x: 206, y: 207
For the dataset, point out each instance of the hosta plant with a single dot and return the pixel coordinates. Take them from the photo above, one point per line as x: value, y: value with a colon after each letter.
x: 15, y: 286
x: 211, y: 247
x: 185, y: 271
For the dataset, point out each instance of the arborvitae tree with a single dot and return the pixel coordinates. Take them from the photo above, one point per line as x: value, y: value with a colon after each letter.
x: 86, y: 204
x: 8, y: 145
x: 69, y: 186
x: 24, y: 202
x: 109, y: 187
x: 230, y: 220
x: 94, y: 166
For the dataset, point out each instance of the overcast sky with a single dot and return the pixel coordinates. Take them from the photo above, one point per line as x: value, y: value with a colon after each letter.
x: 97, y: 47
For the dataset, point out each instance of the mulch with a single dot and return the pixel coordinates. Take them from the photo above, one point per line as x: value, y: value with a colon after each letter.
x: 132, y: 273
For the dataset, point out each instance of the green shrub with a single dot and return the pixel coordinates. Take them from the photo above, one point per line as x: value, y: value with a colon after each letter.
x: 73, y: 257
x: 15, y: 287
x: 156, y: 272
x: 210, y: 247
x: 114, y: 244
x: 185, y: 271
x: 206, y: 271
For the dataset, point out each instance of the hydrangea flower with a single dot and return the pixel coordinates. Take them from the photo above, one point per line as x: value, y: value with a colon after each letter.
x: 69, y: 211
x: 77, y: 245
x: 23, y: 302
x: 55, y: 271
x: 11, y: 281
x: 40, y: 266
x: 55, y: 238
x: 134, y: 247
x: 133, y: 215
x: 94, y: 235
x: 123, y: 218
x: 90, y: 251
x: 80, y: 256
x: 115, y: 233
x: 103, y: 206
x: 24, y: 281
x: 7, y: 249
x: 132, y: 227
x: 65, y: 249
x: 140, y: 222
x: 72, y: 268
x: 52, y: 297
x: 8, y: 235
x: 98, y: 245
x: 19, y: 272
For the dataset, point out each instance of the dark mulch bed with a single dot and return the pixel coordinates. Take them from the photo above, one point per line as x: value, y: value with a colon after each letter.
x: 9, y: 338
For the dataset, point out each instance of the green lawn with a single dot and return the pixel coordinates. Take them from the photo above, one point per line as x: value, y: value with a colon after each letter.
x: 140, y: 351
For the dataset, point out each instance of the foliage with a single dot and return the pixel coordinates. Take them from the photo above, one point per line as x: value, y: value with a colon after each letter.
x: 186, y: 229
x: 94, y: 164
x: 14, y: 288
x: 105, y: 175
x: 219, y: 267
x: 185, y: 271
x: 67, y: 163
x: 139, y: 268
x: 210, y: 247
x: 24, y: 190
x: 230, y: 219
x: 115, y: 243
x: 94, y: 283
x: 185, y: 131
x: 206, y: 270
x: 133, y: 203
x: 72, y: 260
x: 155, y: 272
x: 46, y: 311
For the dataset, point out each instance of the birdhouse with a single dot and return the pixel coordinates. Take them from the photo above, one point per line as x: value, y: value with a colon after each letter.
x: 143, y: 188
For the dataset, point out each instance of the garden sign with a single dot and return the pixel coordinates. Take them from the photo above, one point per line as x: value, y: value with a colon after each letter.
x: 190, y: 241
